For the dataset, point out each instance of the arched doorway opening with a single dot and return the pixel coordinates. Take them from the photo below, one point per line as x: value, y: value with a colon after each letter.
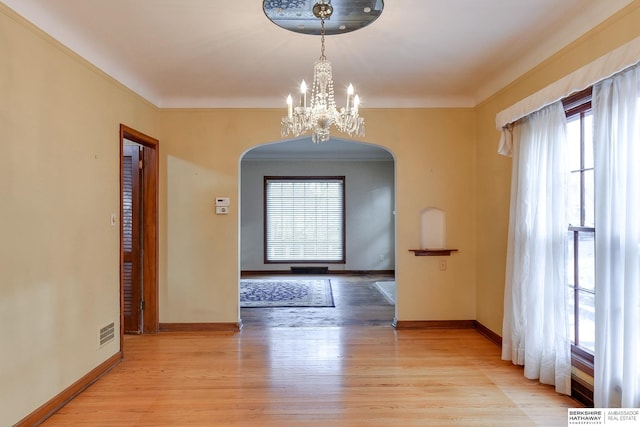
x: 363, y: 284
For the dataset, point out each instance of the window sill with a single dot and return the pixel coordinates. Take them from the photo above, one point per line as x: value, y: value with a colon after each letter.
x: 582, y: 360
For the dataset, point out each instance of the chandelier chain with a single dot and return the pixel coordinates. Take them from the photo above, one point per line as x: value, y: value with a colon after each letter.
x: 322, y: 38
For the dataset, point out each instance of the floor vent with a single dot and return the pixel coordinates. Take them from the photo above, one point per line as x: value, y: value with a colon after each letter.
x: 309, y: 270
x: 107, y: 334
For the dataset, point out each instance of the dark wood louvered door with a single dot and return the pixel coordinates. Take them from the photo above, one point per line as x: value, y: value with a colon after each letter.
x: 131, y: 241
x: 139, y: 310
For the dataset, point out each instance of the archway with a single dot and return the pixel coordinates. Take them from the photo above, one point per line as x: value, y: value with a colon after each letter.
x: 369, y: 174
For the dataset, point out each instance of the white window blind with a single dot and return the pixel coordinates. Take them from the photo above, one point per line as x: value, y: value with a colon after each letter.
x: 304, y: 219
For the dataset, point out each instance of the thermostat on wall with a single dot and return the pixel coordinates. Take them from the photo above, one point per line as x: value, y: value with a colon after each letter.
x: 222, y: 201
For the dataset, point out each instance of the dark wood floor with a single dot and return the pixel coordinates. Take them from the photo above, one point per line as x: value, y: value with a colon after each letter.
x: 357, y: 303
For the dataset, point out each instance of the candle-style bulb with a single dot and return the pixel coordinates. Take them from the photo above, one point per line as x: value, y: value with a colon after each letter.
x: 289, y: 106
x: 303, y: 94
x: 349, y: 96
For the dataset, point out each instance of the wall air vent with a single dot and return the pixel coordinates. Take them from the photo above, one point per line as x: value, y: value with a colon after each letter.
x: 309, y: 270
x: 106, y: 334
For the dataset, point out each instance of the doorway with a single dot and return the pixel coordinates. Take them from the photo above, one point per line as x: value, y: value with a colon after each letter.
x: 138, y: 232
x: 369, y: 205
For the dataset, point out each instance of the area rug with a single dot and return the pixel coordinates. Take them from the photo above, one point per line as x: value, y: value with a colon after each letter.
x: 388, y: 289
x: 285, y: 293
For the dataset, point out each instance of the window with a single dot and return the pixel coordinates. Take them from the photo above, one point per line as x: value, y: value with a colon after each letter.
x: 581, y: 230
x: 304, y: 219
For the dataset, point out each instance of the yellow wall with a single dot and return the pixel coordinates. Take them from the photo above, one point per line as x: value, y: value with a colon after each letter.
x: 59, y: 184
x: 434, y: 156
x: 200, y: 155
x: 493, y: 172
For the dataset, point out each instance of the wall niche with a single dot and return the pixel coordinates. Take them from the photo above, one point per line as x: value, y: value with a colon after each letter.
x: 432, y: 233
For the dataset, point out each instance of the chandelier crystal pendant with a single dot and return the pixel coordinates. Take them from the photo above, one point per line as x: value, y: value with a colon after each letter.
x: 320, y: 112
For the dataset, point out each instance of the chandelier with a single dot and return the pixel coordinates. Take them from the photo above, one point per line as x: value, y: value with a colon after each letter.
x: 318, y: 113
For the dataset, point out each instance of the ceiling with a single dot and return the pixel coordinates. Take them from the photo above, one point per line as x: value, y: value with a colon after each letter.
x: 215, y: 53
x: 227, y: 54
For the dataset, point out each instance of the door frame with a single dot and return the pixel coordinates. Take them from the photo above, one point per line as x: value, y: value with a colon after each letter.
x: 149, y: 218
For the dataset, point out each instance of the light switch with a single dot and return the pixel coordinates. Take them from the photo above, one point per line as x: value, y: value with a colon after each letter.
x: 222, y: 210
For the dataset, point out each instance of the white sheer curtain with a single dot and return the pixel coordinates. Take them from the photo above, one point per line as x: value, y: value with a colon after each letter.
x: 535, y: 326
x: 616, y: 112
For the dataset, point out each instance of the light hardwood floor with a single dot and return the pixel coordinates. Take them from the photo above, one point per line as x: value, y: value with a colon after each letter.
x: 349, y: 373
